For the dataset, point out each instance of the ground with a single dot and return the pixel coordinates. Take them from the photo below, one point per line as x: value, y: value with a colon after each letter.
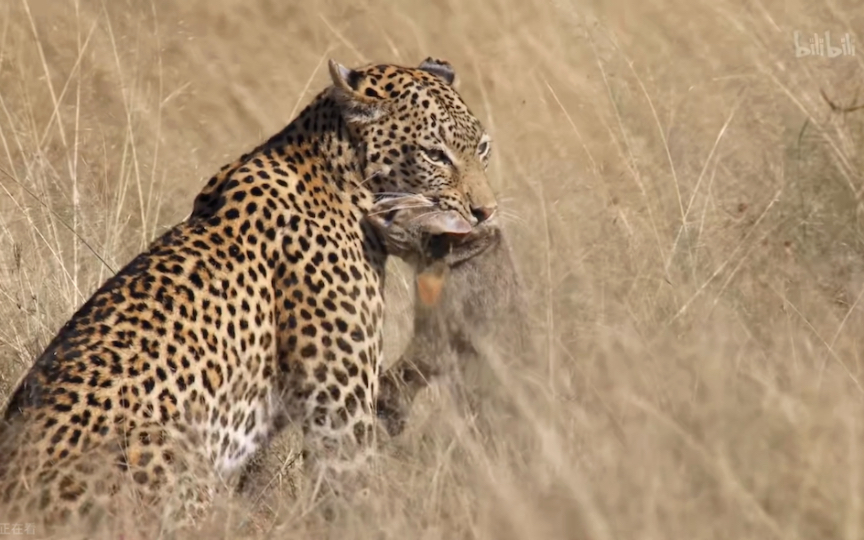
x: 683, y: 199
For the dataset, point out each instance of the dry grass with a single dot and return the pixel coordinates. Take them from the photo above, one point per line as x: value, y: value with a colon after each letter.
x: 684, y: 204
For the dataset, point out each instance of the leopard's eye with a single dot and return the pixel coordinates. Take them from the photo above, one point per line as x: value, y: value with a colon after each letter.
x: 436, y: 155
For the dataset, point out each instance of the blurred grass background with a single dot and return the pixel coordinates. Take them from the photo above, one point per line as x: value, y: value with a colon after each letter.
x: 684, y: 201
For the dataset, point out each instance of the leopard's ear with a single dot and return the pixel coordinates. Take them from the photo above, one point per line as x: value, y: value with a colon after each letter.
x: 440, y: 68
x: 357, y: 106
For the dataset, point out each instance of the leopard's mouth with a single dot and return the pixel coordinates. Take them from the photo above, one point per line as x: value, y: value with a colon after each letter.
x: 439, y: 245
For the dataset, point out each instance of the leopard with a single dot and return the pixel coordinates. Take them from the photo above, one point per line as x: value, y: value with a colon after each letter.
x: 270, y: 480
x: 262, y: 309
x: 467, y: 292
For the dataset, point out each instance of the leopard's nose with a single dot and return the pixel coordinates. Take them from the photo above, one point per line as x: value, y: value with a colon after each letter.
x: 483, y: 213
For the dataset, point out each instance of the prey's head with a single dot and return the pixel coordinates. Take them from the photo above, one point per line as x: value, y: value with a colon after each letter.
x: 430, y: 239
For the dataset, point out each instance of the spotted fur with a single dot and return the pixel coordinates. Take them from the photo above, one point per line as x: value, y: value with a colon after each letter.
x: 263, y: 307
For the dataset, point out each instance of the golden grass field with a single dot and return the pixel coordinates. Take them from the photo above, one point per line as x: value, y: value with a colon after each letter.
x: 684, y: 202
